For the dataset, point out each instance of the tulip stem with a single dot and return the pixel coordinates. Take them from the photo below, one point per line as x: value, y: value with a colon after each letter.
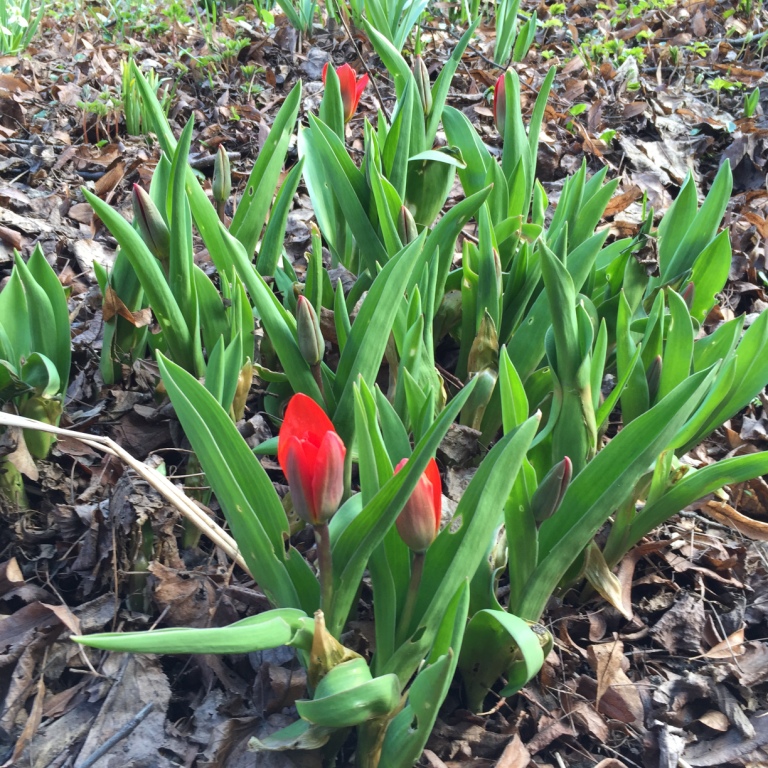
x: 417, y: 570
x: 324, y: 566
x: 347, y: 476
x: 318, y: 376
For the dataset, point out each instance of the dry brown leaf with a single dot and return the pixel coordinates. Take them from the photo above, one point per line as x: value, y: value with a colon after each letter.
x: 113, y: 305
x: 598, y: 574
x: 733, y: 645
x: 726, y: 515
x: 608, y: 661
x: 515, y: 755
x: 10, y: 575
x: 112, y: 177
x: 679, y: 630
x: 11, y: 237
x: 715, y: 720
x: 65, y: 616
x: 622, y: 201
x: 31, y: 726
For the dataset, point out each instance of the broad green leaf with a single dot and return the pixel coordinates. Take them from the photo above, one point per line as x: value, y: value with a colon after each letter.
x: 254, y: 205
x: 270, y: 629
x: 241, y: 485
x: 409, y: 730
x: 274, y: 235
x: 365, y: 345
x: 46, y: 278
x: 165, y: 308
x: 695, y: 485
x: 494, y: 641
x: 710, y: 271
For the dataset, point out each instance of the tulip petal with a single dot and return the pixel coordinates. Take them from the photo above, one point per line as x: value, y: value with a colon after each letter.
x: 432, y: 474
x: 359, y: 88
x: 328, y: 477
x: 500, y: 104
x: 419, y: 521
x: 297, y: 473
x: 347, y: 78
x: 305, y: 420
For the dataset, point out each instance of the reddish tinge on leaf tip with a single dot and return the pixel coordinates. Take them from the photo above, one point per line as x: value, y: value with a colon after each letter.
x: 351, y: 88
x: 500, y: 104
x: 311, y: 456
x: 419, y: 522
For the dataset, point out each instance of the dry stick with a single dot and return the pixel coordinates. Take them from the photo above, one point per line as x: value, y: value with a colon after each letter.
x: 119, y: 736
x: 363, y: 61
x: 161, y: 484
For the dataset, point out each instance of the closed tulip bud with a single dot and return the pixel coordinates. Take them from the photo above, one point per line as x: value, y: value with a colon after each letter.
x: 311, y: 342
x: 474, y: 409
x: 244, y: 381
x: 222, y: 176
x: 423, y: 85
x: 45, y: 409
x: 152, y: 227
x: 484, y: 352
x: 654, y: 377
x: 311, y: 456
x: 500, y: 105
x: 448, y: 314
x: 419, y: 522
x: 549, y: 495
x: 406, y: 226
x: 689, y: 294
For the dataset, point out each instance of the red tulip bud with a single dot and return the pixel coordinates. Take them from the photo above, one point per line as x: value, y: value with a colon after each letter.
x: 500, y: 105
x: 351, y: 88
x: 419, y: 522
x: 549, y: 495
x: 311, y: 456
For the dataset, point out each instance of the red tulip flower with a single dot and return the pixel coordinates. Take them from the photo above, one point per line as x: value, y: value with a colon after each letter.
x: 311, y: 456
x: 351, y: 88
x: 500, y: 104
x: 419, y: 522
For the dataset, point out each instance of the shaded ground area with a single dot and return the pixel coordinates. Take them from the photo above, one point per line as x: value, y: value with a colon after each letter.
x: 654, y: 91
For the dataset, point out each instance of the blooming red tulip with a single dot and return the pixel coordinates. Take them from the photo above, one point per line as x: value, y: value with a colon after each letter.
x: 311, y: 456
x: 500, y: 104
x: 351, y: 88
x: 419, y: 522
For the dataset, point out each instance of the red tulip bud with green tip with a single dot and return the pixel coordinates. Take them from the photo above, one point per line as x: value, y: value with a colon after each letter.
x: 351, y: 88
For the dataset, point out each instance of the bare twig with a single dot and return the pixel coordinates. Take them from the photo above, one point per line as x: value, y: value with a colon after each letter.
x: 161, y: 484
x: 119, y: 736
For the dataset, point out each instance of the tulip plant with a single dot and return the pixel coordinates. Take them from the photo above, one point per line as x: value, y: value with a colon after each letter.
x: 34, y: 359
x: 540, y: 314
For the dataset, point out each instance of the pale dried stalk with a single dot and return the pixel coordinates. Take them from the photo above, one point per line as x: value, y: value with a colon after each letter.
x: 173, y: 495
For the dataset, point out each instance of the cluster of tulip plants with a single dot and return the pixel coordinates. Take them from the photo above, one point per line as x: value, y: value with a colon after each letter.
x: 537, y: 316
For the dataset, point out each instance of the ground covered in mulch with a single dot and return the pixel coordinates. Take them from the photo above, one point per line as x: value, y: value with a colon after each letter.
x: 683, y: 682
